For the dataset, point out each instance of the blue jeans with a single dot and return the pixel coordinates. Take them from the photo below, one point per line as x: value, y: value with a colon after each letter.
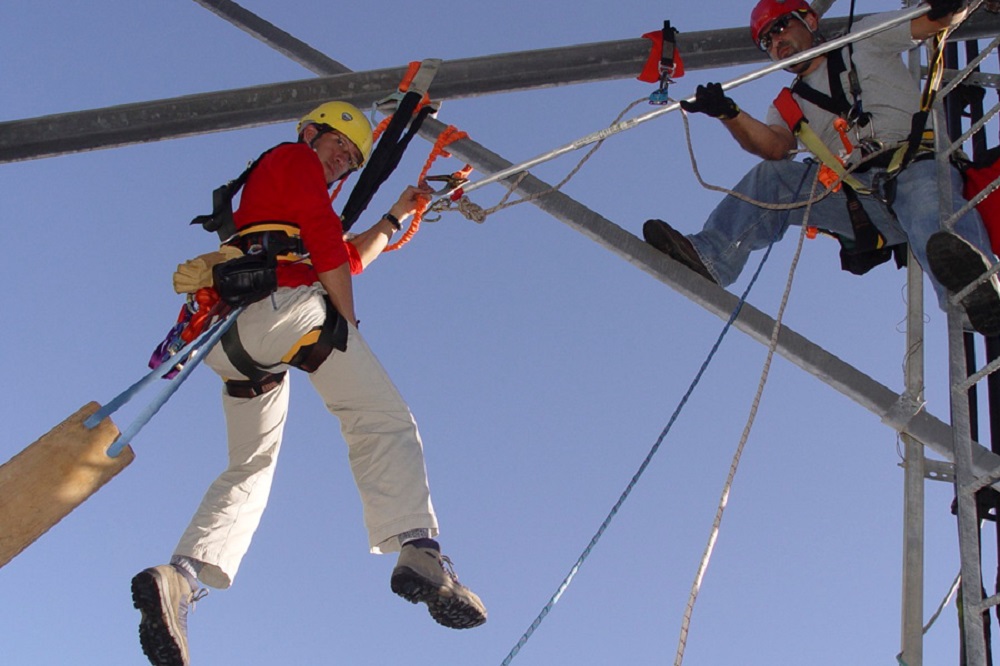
x: 736, y: 228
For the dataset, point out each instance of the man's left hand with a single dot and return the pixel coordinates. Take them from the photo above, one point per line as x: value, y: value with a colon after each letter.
x: 711, y: 100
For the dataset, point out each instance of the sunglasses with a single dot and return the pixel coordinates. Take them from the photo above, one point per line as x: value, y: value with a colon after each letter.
x: 776, y: 28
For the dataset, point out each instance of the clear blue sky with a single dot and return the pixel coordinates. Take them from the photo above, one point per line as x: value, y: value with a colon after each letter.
x: 540, y: 366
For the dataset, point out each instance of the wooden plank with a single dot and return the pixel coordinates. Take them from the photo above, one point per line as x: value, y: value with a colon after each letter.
x: 43, y: 483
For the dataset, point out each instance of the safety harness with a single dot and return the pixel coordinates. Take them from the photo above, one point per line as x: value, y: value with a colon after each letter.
x: 253, y: 276
x: 868, y: 248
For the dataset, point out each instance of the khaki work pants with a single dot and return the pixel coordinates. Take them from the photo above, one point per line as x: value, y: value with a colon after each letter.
x: 384, y: 447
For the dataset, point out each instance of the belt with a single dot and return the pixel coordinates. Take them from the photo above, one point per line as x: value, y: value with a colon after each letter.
x: 274, y: 241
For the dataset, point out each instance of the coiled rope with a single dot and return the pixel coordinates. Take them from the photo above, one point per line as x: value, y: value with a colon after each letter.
x: 449, y: 135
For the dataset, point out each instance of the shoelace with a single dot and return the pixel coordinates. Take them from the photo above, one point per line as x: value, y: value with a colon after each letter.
x: 188, y: 604
x: 449, y: 568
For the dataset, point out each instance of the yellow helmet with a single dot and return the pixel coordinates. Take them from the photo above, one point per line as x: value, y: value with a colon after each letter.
x: 346, y: 119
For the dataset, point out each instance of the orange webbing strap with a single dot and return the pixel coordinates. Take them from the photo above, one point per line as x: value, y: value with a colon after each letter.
x: 411, y: 71
x: 447, y: 137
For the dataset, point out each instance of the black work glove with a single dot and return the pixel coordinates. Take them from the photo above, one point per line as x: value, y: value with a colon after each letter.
x: 710, y: 100
x: 941, y: 8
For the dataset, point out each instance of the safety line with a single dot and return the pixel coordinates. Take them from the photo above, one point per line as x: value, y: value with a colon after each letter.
x: 738, y: 455
x: 478, y: 214
x: 194, y: 352
x: 642, y: 468
x: 602, y: 134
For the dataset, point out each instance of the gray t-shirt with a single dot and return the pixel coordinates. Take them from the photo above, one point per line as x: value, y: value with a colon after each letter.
x: 888, y: 90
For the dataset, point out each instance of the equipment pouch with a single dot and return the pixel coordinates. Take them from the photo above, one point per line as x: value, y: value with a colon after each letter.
x: 246, y: 279
x: 868, y: 249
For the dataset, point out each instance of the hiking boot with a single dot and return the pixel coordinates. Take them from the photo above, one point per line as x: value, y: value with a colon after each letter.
x: 422, y: 574
x: 164, y: 595
x: 956, y: 264
x: 676, y: 245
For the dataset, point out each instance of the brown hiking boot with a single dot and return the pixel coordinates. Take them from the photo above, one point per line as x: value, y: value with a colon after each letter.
x: 676, y: 245
x: 422, y: 574
x: 163, y: 595
x: 956, y: 264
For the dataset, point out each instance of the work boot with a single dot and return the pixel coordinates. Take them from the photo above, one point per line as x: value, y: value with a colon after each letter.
x: 422, y: 574
x: 164, y: 596
x: 676, y: 245
x: 956, y: 264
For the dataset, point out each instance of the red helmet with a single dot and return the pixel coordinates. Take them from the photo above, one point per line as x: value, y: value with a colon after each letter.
x: 767, y: 11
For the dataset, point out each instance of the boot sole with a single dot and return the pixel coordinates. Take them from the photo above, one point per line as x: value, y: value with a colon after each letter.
x: 157, y: 643
x: 956, y: 265
x: 662, y: 240
x: 447, y: 610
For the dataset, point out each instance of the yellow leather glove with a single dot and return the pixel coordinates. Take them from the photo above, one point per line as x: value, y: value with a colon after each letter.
x: 196, y: 273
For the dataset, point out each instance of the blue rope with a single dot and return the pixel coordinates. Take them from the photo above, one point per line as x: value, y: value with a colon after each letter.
x: 193, y: 352
x: 659, y: 440
x: 642, y: 468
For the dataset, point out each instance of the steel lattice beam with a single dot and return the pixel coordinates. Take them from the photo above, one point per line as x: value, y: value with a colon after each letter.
x: 48, y: 136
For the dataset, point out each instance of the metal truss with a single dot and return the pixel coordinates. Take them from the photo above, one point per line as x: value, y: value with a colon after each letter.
x: 110, y: 127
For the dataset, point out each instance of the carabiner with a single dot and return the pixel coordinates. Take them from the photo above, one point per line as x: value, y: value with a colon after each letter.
x: 452, y: 182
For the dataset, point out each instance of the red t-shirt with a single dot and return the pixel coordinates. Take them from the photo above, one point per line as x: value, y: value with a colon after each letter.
x: 289, y: 186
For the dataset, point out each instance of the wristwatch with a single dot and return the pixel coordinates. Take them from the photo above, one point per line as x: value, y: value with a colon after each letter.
x: 393, y: 220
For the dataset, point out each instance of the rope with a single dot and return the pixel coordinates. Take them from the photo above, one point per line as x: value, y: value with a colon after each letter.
x: 737, y: 456
x: 479, y: 214
x: 449, y: 135
x: 813, y: 197
x: 642, y: 468
x: 190, y: 355
x: 905, y: 16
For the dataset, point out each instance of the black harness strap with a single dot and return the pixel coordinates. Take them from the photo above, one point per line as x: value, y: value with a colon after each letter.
x: 836, y: 102
x: 385, y: 157
x: 220, y: 220
x: 239, y: 388
x: 332, y: 335
x: 238, y: 356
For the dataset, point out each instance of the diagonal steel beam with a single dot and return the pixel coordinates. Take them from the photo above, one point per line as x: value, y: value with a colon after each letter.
x: 295, y: 49
x: 891, y: 407
x: 127, y: 124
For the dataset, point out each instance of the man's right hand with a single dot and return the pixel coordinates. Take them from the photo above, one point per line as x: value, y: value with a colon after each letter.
x: 710, y: 100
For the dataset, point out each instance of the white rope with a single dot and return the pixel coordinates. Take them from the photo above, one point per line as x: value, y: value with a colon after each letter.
x: 724, y: 499
x: 776, y: 66
x: 479, y: 214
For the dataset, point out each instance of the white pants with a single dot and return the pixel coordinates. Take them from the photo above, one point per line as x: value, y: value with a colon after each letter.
x: 384, y: 446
